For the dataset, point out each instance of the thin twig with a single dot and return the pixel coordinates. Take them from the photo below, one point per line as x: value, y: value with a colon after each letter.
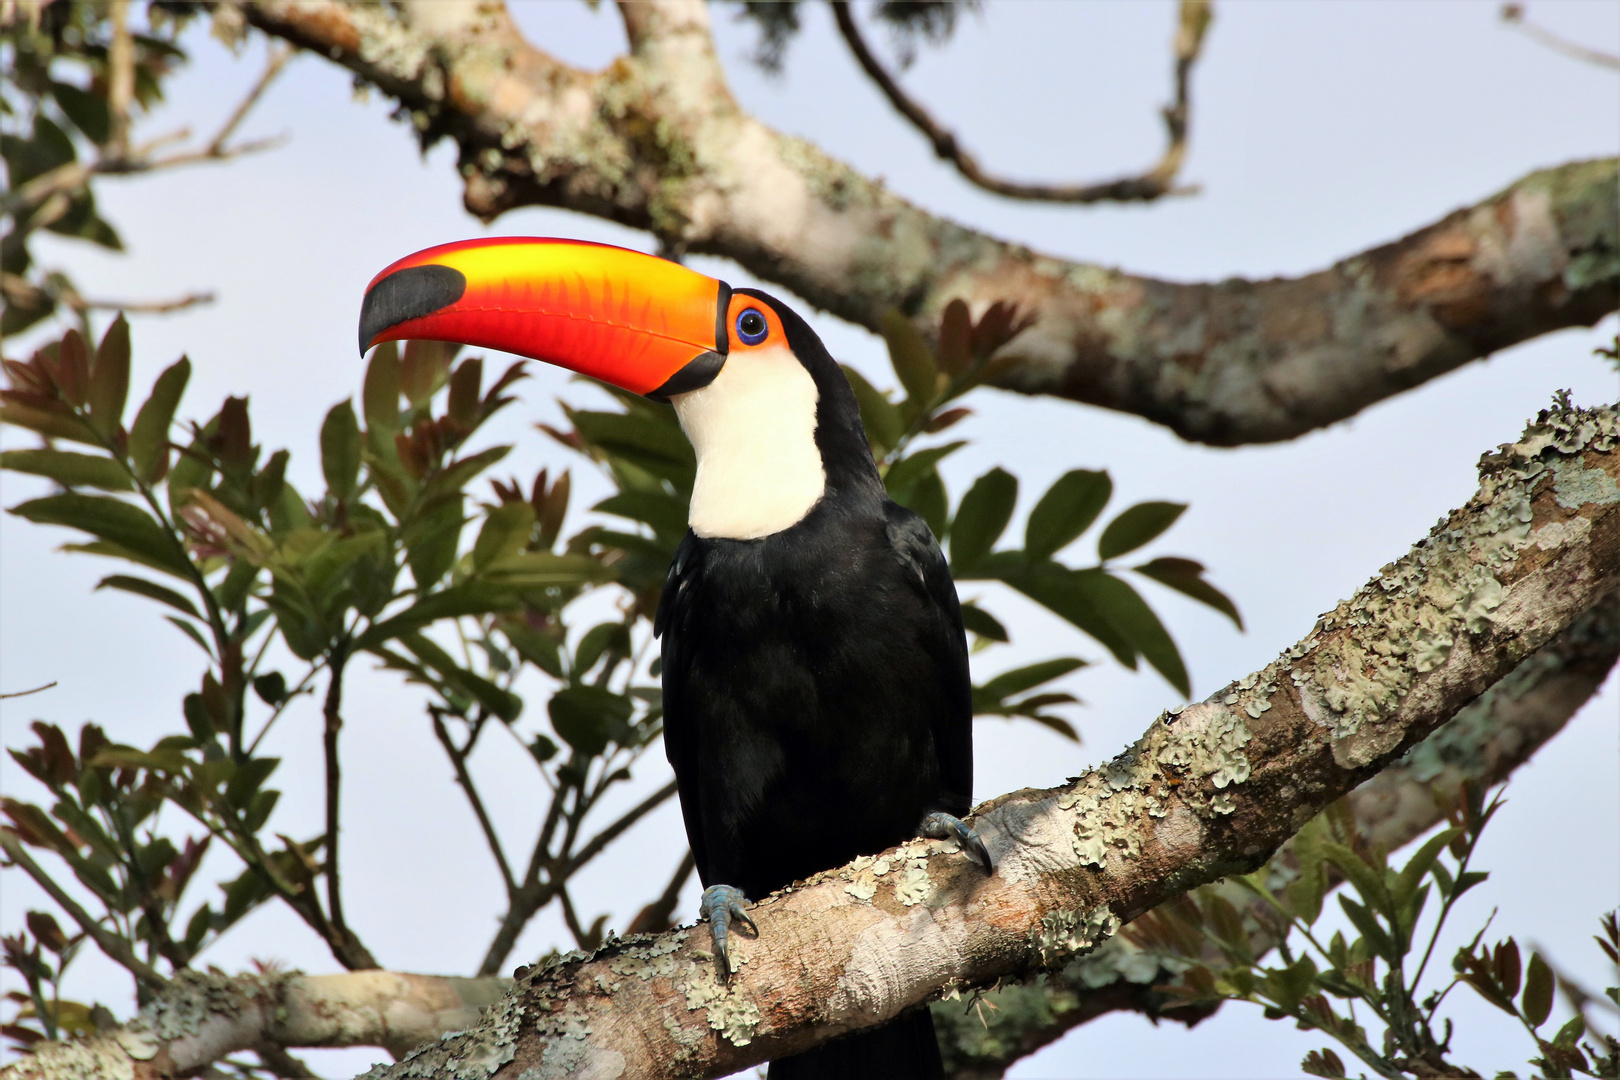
x: 1513, y: 15
x: 25, y: 693
x: 659, y: 915
x: 613, y: 831
x: 121, y: 78
x: 278, y: 59
x: 571, y: 918
x: 116, y: 948
x: 333, y: 713
x: 458, y: 761
x: 1195, y: 16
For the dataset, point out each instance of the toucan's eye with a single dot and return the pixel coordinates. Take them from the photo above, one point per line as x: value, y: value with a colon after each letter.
x: 751, y: 327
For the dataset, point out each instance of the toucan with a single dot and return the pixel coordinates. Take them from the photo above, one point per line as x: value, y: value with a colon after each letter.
x: 817, y: 705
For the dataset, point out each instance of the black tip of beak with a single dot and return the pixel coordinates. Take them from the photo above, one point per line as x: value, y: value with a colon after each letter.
x: 408, y: 294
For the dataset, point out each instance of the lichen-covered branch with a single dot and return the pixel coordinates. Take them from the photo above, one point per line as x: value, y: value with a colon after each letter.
x: 200, y: 1018
x: 1209, y: 790
x: 1483, y: 744
x: 656, y: 141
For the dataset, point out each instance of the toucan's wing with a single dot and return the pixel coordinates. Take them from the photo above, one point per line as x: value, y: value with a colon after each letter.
x: 674, y: 624
x: 941, y: 633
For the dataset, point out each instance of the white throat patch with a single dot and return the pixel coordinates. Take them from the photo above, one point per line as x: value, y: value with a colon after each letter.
x: 754, y: 430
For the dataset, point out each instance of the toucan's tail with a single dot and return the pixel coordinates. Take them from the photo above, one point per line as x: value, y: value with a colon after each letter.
x: 902, y: 1050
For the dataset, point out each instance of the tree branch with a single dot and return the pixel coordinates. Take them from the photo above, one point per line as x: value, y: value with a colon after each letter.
x: 1192, y: 23
x: 1210, y: 790
x: 1483, y: 745
x: 346, y: 946
x: 201, y: 1017
x: 656, y: 141
x: 1513, y: 15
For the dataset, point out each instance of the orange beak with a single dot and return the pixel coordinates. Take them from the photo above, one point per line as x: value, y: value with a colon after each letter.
x: 642, y: 323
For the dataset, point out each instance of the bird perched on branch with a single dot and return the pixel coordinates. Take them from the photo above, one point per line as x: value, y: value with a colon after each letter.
x: 817, y: 705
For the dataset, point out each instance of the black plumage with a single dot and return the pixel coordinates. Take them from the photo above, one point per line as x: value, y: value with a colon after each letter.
x: 816, y: 693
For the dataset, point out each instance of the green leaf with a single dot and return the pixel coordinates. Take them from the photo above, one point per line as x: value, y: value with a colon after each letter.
x: 879, y: 416
x: 87, y: 110
x: 1066, y: 510
x: 1369, y: 927
x: 69, y: 469
x: 1186, y: 577
x: 112, y: 520
x: 587, y: 717
x: 1028, y: 677
x: 904, y: 475
x: 1538, y: 991
x: 467, y: 598
x: 152, y: 591
x: 109, y: 378
x: 431, y: 542
x: 271, y: 687
x: 149, y: 435
x: 928, y: 498
x: 505, y: 532
x: 982, y: 517
x: 1127, y: 612
x: 664, y: 512
x: 913, y: 360
x: 595, y: 642
x: 1418, y: 866
x: 380, y: 395
x: 1066, y: 594
x: 1136, y: 526
x: 501, y: 703
x: 191, y: 631
x: 1364, y: 877
x: 981, y: 622
x: 542, y: 568
x: 340, y: 450
x: 58, y: 425
x: 1305, y: 894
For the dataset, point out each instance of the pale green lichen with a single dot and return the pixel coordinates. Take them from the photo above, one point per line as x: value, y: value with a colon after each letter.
x: 1574, y: 485
x: 1407, y: 621
x: 1064, y: 935
x: 733, y: 1016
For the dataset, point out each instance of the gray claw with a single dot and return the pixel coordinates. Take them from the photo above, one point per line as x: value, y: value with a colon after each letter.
x: 941, y: 826
x: 721, y: 904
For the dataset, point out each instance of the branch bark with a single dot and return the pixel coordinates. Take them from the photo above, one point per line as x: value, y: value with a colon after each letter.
x: 1209, y: 790
x: 657, y: 142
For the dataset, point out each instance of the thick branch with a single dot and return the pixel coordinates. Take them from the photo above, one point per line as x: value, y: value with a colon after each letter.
x: 656, y: 141
x: 1157, y: 182
x: 200, y: 1018
x: 1210, y: 790
x: 1483, y: 744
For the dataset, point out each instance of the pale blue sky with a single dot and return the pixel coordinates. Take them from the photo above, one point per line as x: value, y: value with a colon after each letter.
x: 1319, y: 129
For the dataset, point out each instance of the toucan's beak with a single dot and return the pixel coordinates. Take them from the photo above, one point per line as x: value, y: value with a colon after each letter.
x: 642, y: 323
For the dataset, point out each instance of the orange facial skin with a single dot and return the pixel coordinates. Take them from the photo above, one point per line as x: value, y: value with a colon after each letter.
x: 775, y: 334
x: 627, y: 318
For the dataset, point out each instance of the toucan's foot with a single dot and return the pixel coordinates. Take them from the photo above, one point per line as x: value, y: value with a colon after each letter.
x: 940, y: 826
x: 721, y: 904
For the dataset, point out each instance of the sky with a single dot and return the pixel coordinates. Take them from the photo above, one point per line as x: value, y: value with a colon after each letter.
x: 1319, y: 129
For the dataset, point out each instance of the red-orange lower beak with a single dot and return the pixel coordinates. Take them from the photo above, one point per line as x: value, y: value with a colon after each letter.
x: 637, y: 321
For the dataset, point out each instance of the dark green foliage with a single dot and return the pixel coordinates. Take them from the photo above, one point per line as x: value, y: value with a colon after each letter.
x: 1220, y: 947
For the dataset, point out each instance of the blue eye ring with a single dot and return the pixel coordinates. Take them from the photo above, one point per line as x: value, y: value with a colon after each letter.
x: 752, y: 327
